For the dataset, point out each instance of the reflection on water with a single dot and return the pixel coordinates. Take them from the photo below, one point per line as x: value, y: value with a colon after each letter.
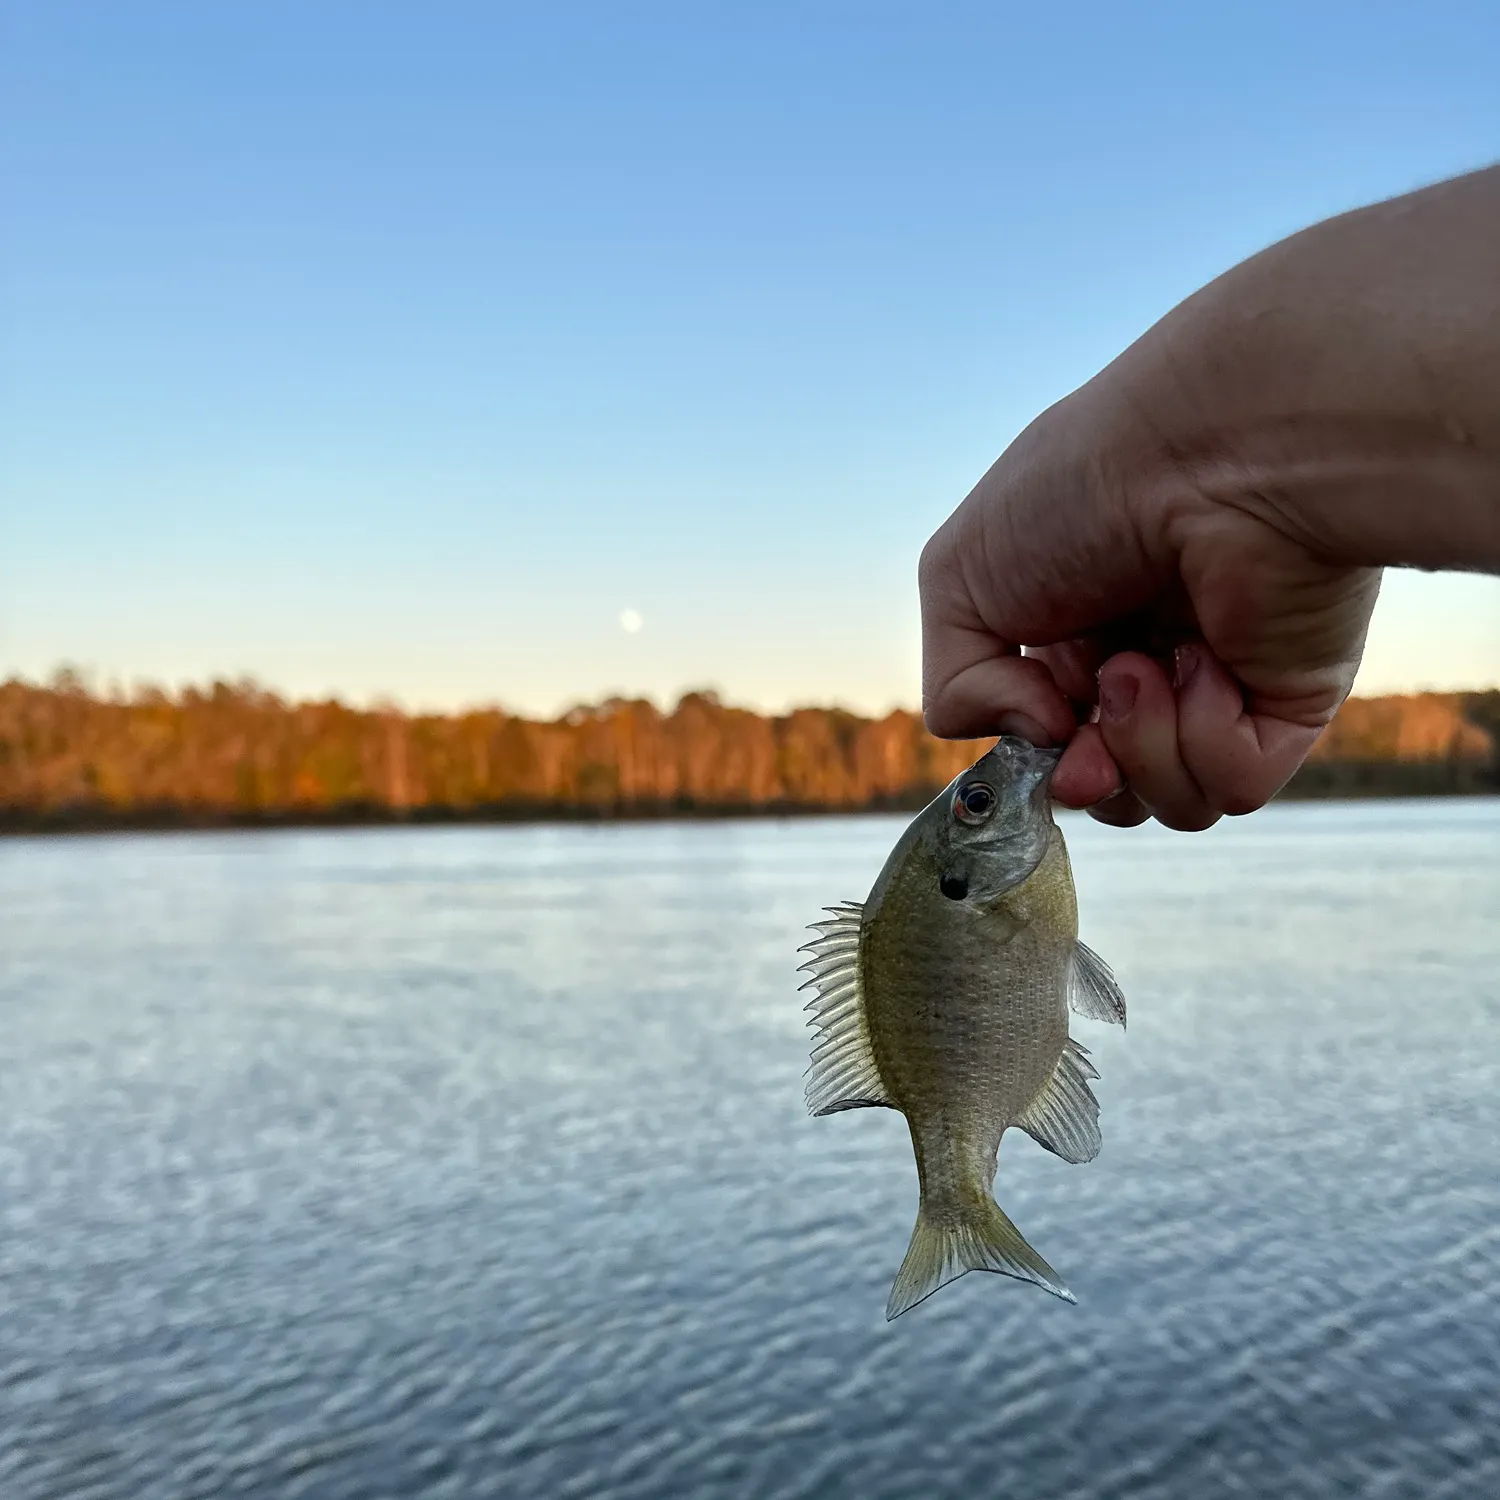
x: 473, y: 1162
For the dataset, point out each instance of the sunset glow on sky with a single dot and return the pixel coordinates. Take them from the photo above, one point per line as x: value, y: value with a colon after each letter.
x: 468, y: 353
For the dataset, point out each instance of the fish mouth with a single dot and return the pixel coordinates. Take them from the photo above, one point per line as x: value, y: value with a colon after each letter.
x: 1018, y: 769
x: 1023, y: 760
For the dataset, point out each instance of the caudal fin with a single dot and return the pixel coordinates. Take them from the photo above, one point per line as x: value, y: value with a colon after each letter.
x: 985, y: 1241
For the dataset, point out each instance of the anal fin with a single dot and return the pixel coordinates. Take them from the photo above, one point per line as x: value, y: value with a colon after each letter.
x: 1064, y: 1116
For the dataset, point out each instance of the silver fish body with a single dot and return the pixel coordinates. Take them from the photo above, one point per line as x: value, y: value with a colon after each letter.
x: 946, y: 996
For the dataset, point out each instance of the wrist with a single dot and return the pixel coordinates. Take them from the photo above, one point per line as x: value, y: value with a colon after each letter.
x: 1358, y: 492
x: 1368, y: 445
x: 1343, y: 385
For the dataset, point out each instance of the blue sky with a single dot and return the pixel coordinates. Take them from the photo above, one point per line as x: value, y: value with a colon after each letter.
x: 397, y: 350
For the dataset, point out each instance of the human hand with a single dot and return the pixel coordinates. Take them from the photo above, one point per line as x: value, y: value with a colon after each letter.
x: 1208, y: 643
x: 1190, y: 546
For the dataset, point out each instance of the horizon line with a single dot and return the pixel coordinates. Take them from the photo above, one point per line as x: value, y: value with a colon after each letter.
x: 70, y: 679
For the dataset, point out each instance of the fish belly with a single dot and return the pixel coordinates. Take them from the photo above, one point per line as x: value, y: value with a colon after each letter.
x: 996, y: 1057
x: 965, y: 1043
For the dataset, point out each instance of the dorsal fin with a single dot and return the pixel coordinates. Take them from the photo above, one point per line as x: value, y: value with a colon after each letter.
x: 843, y: 1074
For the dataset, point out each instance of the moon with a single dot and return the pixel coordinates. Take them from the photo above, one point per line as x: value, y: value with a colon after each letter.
x: 630, y: 621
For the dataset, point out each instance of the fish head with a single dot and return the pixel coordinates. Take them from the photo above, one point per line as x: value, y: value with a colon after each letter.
x: 992, y: 827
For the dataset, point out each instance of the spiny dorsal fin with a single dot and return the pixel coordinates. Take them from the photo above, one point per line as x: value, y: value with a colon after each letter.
x: 1092, y: 990
x: 843, y: 1074
x: 1064, y: 1117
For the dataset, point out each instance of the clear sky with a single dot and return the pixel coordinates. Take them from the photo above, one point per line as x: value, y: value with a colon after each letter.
x: 420, y: 349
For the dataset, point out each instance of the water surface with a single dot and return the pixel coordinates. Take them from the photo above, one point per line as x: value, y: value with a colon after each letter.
x: 467, y: 1162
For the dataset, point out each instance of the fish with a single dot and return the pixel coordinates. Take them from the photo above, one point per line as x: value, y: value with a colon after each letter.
x: 945, y: 995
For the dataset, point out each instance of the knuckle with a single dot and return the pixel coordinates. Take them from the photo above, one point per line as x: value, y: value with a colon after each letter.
x: 937, y: 564
x: 1121, y: 810
x: 930, y: 565
x: 1237, y: 801
x: 938, y: 717
x: 1193, y: 820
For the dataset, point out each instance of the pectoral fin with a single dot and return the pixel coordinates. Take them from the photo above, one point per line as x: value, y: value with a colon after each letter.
x: 843, y: 1074
x: 1092, y: 990
x: 1064, y: 1117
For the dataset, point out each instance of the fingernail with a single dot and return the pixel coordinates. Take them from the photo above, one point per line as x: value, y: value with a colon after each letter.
x: 1186, y: 661
x: 1117, y: 695
x: 1024, y: 727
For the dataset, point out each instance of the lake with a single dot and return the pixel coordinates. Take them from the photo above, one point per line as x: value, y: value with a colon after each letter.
x: 473, y: 1161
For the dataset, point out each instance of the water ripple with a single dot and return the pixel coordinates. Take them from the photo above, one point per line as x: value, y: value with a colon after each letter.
x: 472, y: 1162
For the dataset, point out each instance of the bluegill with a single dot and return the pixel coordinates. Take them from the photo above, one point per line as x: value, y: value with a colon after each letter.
x: 946, y: 994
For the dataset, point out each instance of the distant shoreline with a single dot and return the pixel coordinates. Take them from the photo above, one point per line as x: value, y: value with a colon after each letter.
x: 234, y: 756
x: 1356, y: 783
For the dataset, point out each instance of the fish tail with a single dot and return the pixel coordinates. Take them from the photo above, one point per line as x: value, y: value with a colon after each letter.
x: 980, y: 1240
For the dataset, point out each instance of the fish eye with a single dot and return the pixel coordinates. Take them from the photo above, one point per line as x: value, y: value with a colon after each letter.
x: 974, y: 803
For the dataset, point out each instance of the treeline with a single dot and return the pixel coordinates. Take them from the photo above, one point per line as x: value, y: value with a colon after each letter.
x: 236, y: 754
x: 1425, y: 745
